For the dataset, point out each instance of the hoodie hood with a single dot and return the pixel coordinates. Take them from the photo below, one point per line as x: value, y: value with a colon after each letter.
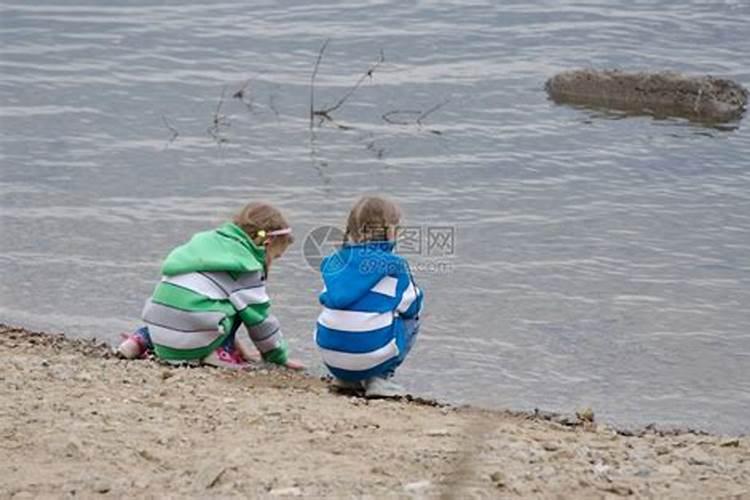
x: 227, y: 249
x: 352, y: 271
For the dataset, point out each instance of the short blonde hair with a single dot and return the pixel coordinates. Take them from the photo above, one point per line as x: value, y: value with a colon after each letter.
x: 370, y: 219
x: 256, y: 217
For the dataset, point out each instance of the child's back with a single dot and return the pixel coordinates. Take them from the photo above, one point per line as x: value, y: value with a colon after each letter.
x: 370, y: 302
x: 212, y: 285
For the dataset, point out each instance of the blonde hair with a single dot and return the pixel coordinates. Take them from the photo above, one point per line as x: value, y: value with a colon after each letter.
x: 258, y: 218
x: 370, y: 219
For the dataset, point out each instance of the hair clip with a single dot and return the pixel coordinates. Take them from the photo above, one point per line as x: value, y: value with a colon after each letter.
x: 278, y: 232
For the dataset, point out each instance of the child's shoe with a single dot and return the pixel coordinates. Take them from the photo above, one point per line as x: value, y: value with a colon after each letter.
x: 347, y: 385
x: 226, y: 357
x: 378, y: 387
x: 135, y: 345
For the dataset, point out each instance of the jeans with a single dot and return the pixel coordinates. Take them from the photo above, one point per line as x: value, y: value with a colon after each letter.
x: 405, y: 340
x: 411, y: 329
x: 144, y: 338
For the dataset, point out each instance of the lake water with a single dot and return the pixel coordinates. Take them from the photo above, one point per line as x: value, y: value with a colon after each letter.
x: 597, y: 260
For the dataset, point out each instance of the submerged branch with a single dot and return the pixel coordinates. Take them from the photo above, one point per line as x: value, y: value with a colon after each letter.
x: 368, y: 73
x: 389, y: 117
x: 175, y: 132
x: 219, y: 120
x: 392, y: 116
x: 431, y: 110
x: 217, y: 115
x: 312, y: 80
x: 243, y: 96
x: 325, y: 113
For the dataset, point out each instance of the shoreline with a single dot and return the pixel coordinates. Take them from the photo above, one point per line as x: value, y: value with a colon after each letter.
x: 83, y: 422
x: 103, y: 348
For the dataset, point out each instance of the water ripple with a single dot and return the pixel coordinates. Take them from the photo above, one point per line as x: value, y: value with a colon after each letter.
x: 595, y: 253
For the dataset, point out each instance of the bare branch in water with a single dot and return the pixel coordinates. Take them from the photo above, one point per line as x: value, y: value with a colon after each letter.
x: 312, y: 81
x: 240, y: 94
x: 217, y: 116
x: 391, y: 116
x: 375, y: 149
x: 219, y: 120
x: 244, y: 95
x: 335, y: 123
x: 272, y: 104
x: 175, y: 132
x: 431, y: 110
x: 368, y: 73
x: 325, y: 113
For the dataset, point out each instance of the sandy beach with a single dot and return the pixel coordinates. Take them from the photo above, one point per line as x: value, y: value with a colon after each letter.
x: 76, y: 422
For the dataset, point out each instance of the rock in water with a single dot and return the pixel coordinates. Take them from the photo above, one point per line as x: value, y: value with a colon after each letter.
x: 699, y: 98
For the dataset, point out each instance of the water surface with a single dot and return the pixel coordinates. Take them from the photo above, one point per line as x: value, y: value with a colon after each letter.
x: 598, y: 261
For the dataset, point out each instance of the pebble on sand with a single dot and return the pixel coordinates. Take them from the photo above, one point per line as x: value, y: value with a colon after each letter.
x: 585, y: 414
x: 292, y: 491
x: 417, y: 486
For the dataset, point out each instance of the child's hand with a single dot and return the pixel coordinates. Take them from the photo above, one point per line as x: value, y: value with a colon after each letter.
x: 247, y: 352
x: 294, y: 364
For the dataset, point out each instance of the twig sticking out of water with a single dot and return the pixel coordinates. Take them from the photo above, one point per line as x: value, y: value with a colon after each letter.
x: 394, y: 116
x: 312, y: 81
x: 431, y: 110
x: 219, y: 120
x: 240, y: 94
x: 373, y: 147
x: 272, y: 104
x: 325, y: 113
x: 244, y: 95
x: 175, y: 132
x: 217, y: 115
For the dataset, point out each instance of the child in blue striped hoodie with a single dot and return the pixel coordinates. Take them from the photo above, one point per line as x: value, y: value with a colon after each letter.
x: 371, y: 304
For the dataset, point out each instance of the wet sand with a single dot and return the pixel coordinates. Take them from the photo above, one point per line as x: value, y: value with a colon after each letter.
x: 78, y: 422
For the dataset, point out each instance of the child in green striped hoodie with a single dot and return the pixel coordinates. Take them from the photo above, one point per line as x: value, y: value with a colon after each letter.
x: 212, y: 285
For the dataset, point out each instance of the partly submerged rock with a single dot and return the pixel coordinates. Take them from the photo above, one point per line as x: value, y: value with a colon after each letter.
x: 699, y: 98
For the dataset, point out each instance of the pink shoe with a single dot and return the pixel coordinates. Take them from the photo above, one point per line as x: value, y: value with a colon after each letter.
x: 224, y: 358
x: 134, y: 346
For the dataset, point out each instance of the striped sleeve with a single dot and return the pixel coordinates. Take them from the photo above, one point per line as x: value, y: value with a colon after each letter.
x: 248, y: 296
x: 410, y: 304
x: 411, y: 301
x: 416, y: 308
x: 267, y: 337
x: 246, y: 293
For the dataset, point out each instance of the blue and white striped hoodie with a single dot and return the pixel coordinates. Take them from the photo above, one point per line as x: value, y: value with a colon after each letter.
x: 368, y: 292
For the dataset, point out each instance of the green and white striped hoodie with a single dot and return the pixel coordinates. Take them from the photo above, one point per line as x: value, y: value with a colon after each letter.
x: 210, y: 285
